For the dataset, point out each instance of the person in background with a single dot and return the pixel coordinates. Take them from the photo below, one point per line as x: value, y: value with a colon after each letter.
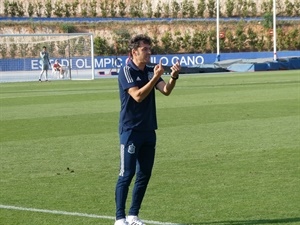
x: 45, y: 62
x: 137, y: 124
x: 58, y: 67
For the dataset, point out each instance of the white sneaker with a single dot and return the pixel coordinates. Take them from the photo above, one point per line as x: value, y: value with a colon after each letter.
x: 121, y: 222
x: 134, y: 220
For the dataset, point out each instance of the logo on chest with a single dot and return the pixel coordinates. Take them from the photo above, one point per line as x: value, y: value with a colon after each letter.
x: 150, y: 75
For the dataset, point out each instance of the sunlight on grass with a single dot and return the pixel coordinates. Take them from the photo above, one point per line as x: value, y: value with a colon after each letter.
x: 227, y: 152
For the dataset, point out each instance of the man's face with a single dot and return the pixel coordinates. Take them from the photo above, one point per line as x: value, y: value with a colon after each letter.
x: 142, y: 53
x: 44, y: 49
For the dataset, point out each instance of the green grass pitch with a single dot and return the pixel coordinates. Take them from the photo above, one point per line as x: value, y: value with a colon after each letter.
x: 228, y: 151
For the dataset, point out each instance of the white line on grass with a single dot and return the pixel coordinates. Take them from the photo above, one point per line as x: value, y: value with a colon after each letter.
x: 75, y: 214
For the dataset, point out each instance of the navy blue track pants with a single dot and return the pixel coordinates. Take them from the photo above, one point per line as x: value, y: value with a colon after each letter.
x: 137, y: 152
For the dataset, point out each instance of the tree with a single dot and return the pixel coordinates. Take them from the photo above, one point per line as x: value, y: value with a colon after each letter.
x: 149, y: 12
x: 48, y: 8
x: 176, y: 45
x: 289, y: 8
x: 230, y: 41
x: 38, y: 9
x: 24, y: 50
x: 191, y: 9
x: 58, y: 8
x: 211, y: 8
x: 6, y: 7
x: 13, y: 50
x: 201, y: 6
x: 74, y: 7
x: 199, y: 41
x: 122, y: 8
x: 167, y: 40
x: 166, y: 9
x: 252, y: 8
x: 157, y: 13
x: 267, y: 6
x: 156, y: 49
x: 297, y: 8
x: 229, y: 8
x: 3, y: 50
x: 103, y: 8
x: 135, y: 9
x: 240, y: 37
x: 101, y: 46
x: 184, y: 8
x: 84, y: 11
x: 67, y: 9
x: 175, y: 8
x: 13, y: 7
x: 62, y: 45
x: 267, y: 20
x: 121, y: 38
x: 187, y: 42
x: 252, y: 37
x: 212, y: 40
x: 20, y: 9
x: 93, y: 8
x: 30, y: 9
x: 112, y: 9
x: 260, y: 44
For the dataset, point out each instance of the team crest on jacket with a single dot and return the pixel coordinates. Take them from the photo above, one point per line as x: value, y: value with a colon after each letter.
x: 150, y: 75
x: 131, y: 149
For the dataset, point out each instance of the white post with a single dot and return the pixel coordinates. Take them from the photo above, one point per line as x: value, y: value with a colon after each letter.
x: 92, y: 57
x: 218, y: 31
x: 274, y: 30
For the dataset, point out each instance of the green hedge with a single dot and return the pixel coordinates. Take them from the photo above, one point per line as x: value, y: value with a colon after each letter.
x: 142, y: 8
x: 242, y: 39
x: 239, y: 39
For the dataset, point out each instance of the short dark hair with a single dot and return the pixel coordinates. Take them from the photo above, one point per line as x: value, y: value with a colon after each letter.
x: 44, y: 46
x: 135, y: 42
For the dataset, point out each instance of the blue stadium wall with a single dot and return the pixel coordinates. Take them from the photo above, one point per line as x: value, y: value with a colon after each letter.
x: 109, y: 62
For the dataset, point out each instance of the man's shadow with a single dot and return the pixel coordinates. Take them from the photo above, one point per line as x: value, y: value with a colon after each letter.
x: 249, y: 222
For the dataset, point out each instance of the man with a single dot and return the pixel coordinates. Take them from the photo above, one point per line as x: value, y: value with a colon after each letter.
x: 137, y: 125
x: 58, y: 67
x: 45, y: 62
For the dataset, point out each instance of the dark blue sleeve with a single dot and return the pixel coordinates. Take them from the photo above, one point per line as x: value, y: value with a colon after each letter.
x: 127, y: 78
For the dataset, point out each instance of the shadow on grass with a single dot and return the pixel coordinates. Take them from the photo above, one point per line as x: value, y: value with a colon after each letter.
x: 250, y: 222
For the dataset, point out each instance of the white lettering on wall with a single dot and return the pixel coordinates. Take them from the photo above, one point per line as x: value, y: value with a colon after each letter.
x: 98, y: 63
x: 65, y: 62
x: 117, y: 62
x: 107, y: 61
x: 199, y: 59
x: 87, y: 65
x: 80, y: 63
x: 164, y: 61
x: 35, y: 65
x: 153, y: 59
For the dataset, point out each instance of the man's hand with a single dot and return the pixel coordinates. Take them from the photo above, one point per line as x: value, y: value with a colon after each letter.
x: 158, y: 70
x: 175, y: 69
